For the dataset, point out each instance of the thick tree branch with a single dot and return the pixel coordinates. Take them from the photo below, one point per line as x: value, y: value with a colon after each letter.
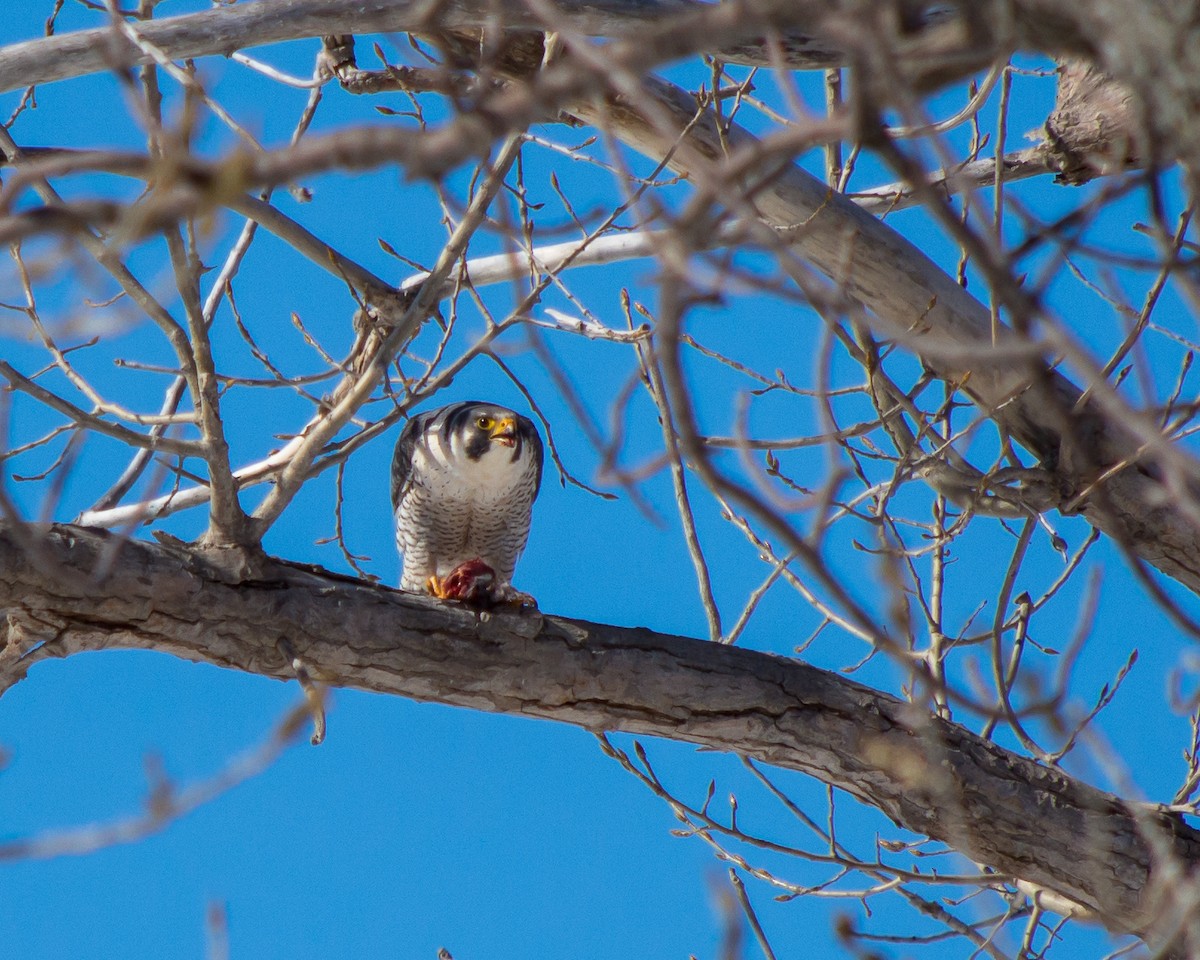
x: 801, y: 32
x: 225, y: 29
x: 1115, y: 465
x: 931, y: 45
x: 79, y: 589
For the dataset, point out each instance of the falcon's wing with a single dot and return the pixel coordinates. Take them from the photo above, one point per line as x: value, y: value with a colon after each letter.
x: 412, y: 434
x: 530, y: 435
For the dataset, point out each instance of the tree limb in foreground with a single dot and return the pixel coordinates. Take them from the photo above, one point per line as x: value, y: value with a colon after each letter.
x: 68, y: 589
x: 934, y: 42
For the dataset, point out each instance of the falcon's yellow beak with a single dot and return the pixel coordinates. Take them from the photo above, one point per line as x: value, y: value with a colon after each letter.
x: 505, y: 431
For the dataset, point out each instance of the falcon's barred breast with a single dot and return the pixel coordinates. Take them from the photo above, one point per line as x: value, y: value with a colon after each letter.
x: 464, y: 478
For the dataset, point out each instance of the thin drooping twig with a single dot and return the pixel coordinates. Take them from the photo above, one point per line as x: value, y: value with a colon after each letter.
x: 166, y: 804
x: 150, y: 441
x: 649, y: 364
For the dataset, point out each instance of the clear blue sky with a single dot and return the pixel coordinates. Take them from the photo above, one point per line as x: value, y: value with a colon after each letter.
x: 420, y: 826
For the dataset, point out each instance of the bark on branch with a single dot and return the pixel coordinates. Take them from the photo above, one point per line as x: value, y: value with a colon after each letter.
x: 226, y: 29
x: 932, y: 44
x: 69, y: 589
x: 929, y: 44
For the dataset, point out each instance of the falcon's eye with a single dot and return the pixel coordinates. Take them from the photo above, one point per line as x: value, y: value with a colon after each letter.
x: 485, y: 423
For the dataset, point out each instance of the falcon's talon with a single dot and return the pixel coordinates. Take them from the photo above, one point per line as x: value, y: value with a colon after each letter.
x: 472, y: 581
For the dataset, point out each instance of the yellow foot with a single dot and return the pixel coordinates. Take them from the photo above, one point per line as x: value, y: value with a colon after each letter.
x: 470, y: 582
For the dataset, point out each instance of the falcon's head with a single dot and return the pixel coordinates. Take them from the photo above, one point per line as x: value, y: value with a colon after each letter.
x: 485, y: 431
x: 480, y: 428
x: 487, y: 447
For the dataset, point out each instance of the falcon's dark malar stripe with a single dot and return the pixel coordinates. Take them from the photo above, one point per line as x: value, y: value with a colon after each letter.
x: 477, y: 443
x: 453, y: 418
x: 460, y: 420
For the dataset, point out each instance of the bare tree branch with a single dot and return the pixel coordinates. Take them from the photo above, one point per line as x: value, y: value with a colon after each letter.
x: 935, y: 778
x: 914, y: 302
x: 225, y: 29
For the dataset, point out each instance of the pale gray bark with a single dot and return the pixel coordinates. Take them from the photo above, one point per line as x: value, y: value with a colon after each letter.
x: 1093, y: 130
x: 1149, y: 53
x: 72, y: 589
x: 224, y: 29
x: 933, y: 44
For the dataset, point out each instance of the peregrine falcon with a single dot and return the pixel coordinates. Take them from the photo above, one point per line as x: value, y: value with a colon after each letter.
x: 464, y: 478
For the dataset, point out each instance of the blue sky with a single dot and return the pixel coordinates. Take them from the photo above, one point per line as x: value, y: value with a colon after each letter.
x: 417, y: 826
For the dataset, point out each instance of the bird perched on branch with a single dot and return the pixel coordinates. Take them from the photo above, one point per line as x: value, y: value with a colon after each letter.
x: 464, y: 478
